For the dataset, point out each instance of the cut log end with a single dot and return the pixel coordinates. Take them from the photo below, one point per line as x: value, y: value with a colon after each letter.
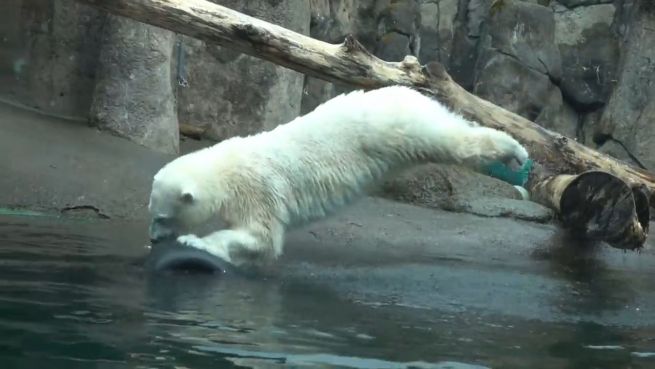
x: 600, y: 206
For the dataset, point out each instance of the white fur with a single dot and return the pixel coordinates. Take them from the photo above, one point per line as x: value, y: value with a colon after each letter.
x: 263, y: 184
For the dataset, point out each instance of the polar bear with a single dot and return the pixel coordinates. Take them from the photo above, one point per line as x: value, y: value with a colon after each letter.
x: 263, y: 184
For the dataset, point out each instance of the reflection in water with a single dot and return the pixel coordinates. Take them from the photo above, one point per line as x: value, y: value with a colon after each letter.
x: 73, y: 298
x: 591, y: 286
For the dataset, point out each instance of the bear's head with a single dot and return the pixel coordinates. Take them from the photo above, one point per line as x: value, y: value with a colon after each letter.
x: 178, y: 202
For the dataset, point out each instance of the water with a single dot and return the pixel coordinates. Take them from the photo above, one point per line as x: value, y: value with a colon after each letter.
x: 73, y: 295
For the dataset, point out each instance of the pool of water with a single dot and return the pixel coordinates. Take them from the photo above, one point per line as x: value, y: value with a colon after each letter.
x: 74, y: 295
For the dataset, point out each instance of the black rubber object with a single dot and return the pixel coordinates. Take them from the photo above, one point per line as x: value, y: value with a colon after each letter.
x: 170, y: 256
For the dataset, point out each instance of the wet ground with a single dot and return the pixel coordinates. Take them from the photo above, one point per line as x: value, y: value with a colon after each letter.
x: 382, y: 285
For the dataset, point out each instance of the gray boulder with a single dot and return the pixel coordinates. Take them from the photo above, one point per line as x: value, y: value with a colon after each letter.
x: 506, y: 82
x: 437, y: 30
x: 467, y: 31
x: 332, y: 20
x: 459, y: 189
x: 630, y: 112
x: 590, y: 53
x: 525, y: 32
x: 559, y: 116
x: 519, y: 61
x: 398, y: 30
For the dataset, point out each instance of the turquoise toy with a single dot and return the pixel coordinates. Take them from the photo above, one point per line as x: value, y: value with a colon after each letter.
x: 505, y: 173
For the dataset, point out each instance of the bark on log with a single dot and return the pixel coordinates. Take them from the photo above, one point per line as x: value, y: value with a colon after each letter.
x: 352, y: 64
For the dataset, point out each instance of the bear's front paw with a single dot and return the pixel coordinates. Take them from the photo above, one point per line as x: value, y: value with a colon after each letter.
x: 520, y: 156
x: 510, y: 151
x: 191, y: 240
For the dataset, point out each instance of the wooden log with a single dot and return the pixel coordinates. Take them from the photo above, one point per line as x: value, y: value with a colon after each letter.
x: 596, y: 205
x: 350, y: 63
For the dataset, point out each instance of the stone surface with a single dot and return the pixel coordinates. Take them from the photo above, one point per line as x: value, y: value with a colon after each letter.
x: 507, y: 82
x: 461, y: 190
x: 393, y: 46
x: 507, y: 208
x: 133, y: 95
x: 465, y: 45
x: 526, y: 32
x: 477, y: 13
x: 576, y: 3
x: 445, y: 187
x: 590, y: 53
x: 398, y: 23
x: 332, y: 20
x: 588, y: 124
x: 48, y: 55
x: 67, y: 165
x: 630, y: 111
x: 388, y: 29
x: 235, y: 94
x: 559, y: 116
x: 519, y: 61
x: 437, y: 30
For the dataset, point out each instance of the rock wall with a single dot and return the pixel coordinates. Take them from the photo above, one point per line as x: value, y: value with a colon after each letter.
x: 581, y: 67
x: 133, y: 95
x: 230, y: 93
x: 48, y: 55
x: 628, y: 119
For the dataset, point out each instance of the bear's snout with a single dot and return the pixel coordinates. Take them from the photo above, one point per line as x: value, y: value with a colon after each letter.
x: 161, y: 231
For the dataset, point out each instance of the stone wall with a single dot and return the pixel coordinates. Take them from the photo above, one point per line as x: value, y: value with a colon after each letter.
x: 230, y: 93
x: 48, y: 55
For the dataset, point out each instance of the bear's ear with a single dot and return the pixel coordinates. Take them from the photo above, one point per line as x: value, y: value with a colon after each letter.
x: 187, y: 197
